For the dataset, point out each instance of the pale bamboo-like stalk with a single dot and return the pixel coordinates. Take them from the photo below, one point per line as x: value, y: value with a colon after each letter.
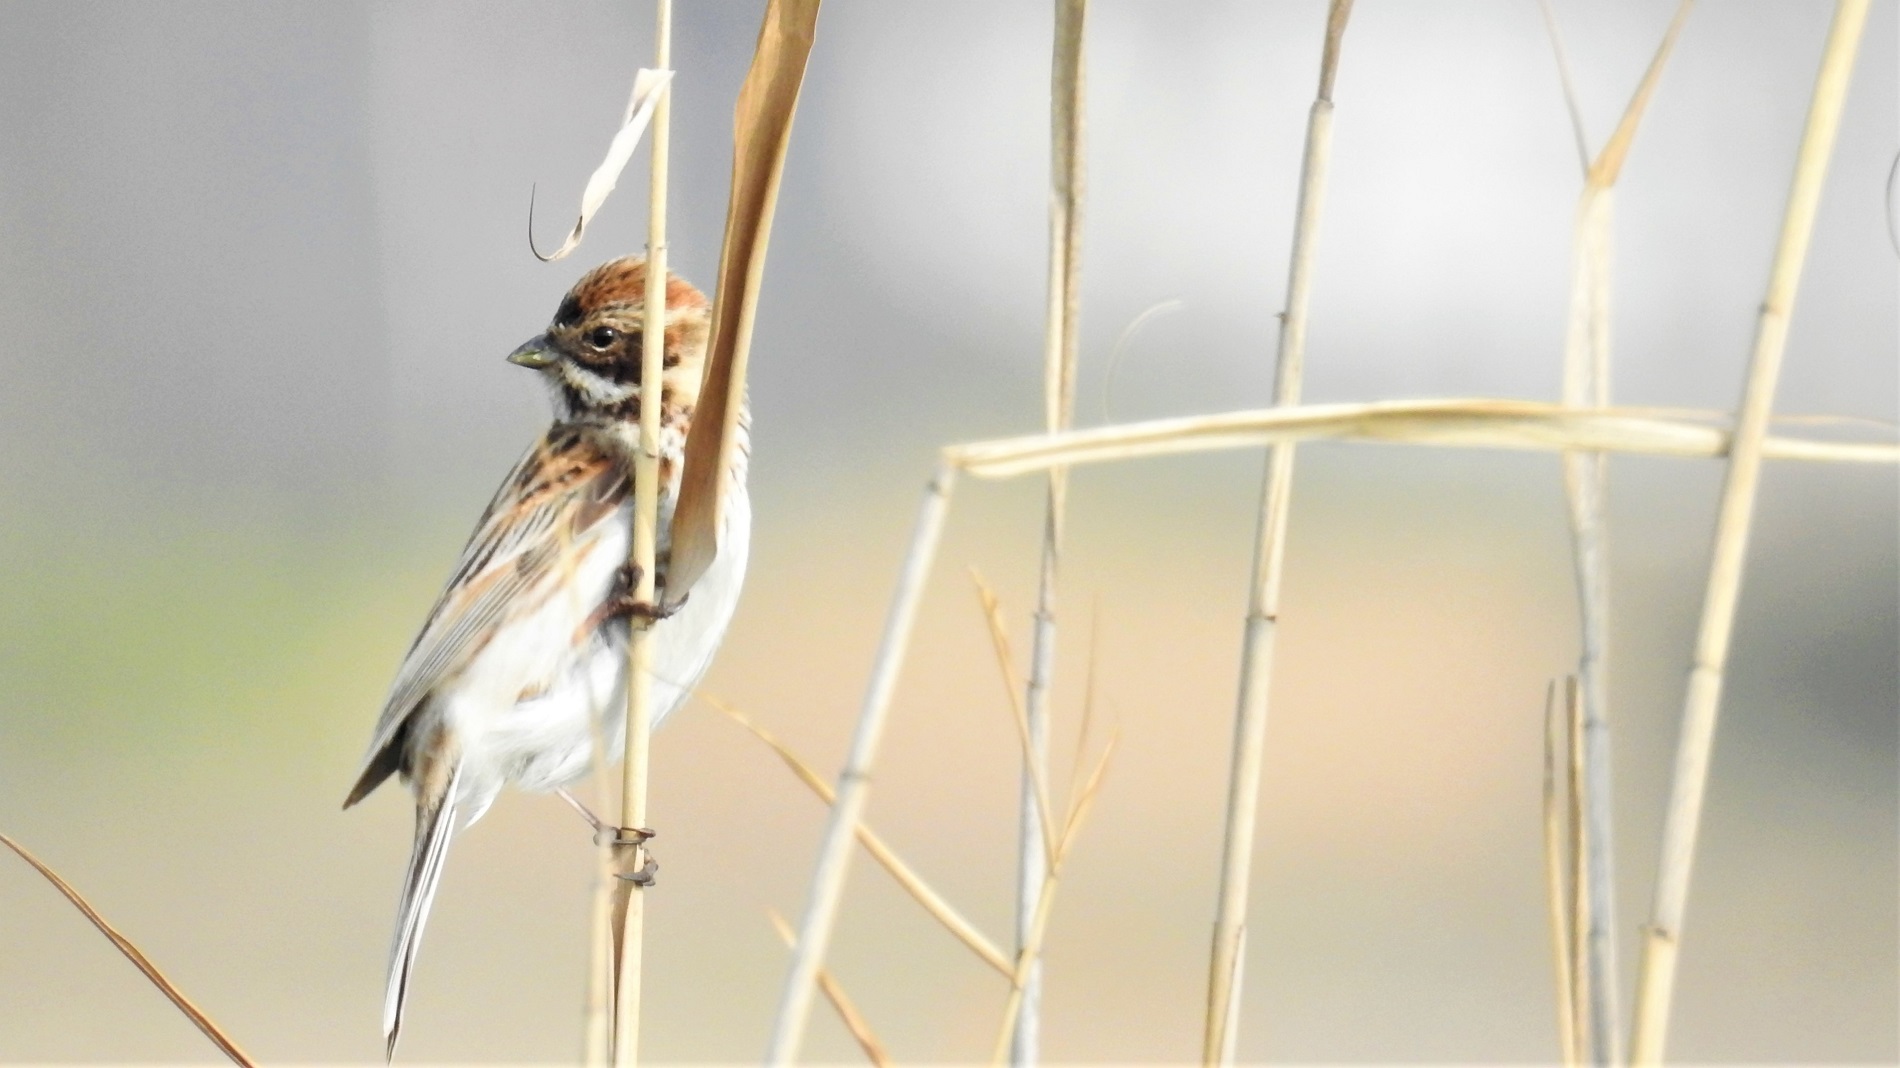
x: 854, y: 781
x: 1586, y: 492
x: 630, y: 896
x: 1226, y: 968
x: 226, y: 1045
x: 1556, y: 812
x: 1689, y: 782
x: 922, y: 892
x: 847, y: 1010
x: 1060, y: 345
x: 1487, y: 423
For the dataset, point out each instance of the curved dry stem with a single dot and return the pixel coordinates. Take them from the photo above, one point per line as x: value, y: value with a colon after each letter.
x: 196, y: 1015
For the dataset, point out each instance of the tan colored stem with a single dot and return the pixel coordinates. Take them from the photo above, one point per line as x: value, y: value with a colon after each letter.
x: 848, y: 1014
x: 854, y: 781
x: 1689, y: 783
x: 1226, y: 966
x: 139, y: 960
x: 629, y: 896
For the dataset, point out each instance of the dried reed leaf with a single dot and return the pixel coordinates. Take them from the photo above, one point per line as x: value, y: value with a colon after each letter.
x: 139, y: 960
x: 853, y: 1020
x: 1006, y: 664
x: 648, y: 87
x: 1609, y: 162
x: 1469, y: 423
x: 762, y: 127
x: 1569, y: 85
x: 907, y: 877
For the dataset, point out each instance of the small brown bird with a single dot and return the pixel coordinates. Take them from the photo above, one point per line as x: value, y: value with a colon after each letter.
x: 523, y: 660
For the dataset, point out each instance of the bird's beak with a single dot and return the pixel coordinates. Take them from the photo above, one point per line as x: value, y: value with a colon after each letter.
x: 534, y: 354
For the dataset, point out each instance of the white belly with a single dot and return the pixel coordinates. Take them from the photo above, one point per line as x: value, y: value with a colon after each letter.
x: 577, y: 694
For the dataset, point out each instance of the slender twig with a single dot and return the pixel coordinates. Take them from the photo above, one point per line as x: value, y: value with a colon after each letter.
x: 922, y: 892
x: 1061, y: 340
x: 1556, y: 812
x: 1225, y: 963
x: 848, y: 1013
x: 139, y: 960
x: 1689, y: 782
x: 854, y: 781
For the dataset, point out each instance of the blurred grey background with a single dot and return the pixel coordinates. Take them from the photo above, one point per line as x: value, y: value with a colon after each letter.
x: 260, y: 263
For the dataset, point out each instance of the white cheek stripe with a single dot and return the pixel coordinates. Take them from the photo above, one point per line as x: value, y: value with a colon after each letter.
x: 594, y: 387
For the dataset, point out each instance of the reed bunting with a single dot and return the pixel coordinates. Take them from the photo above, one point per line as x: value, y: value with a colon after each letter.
x: 523, y: 660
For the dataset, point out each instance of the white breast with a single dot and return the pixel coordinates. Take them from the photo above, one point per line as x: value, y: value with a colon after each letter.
x: 529, y: 707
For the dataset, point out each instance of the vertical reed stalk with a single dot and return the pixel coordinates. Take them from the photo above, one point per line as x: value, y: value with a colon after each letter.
x: 1060, y: 345
x: 1689, y: 783
x: 1586, y: 491
x: 1226, y: 966
x: 854, y: 782
x: 629, y: 896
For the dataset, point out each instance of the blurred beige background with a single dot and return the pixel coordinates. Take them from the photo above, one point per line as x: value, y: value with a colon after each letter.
x: 260, y: 263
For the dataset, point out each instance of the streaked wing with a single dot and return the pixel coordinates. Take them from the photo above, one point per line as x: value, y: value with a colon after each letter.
x: 568, y: 482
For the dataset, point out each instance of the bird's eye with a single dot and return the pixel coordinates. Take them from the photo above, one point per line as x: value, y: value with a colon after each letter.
x: 602, y: 337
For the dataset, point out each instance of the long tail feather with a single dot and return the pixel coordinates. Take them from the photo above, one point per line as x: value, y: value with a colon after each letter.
x: 435, y: 826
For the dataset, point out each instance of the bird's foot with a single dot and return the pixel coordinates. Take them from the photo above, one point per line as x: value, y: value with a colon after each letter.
x: 627, y: 843
x: 623, y: 604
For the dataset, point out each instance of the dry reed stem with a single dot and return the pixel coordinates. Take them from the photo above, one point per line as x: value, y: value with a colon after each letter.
x: 629, y: 896
x: 1555, y: 883
x: 1226, y: 965
x: 854, y: 781
x: 848, y: 1013
x: 139, y: 960
x: 1689, y: 782
x: 1061, y: 340
x: 1586, y: 492
x: 1458, y: 423
x: 1026, y: 958
x: 907, y: 877
x: 1038, y: 770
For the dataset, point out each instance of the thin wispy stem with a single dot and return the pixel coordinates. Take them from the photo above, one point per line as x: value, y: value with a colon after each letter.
x: 914, y: 884
x: 196, y: 1015
x: 847, y: 1010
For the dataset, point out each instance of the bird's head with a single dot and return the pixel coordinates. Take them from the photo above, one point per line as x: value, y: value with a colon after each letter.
x: 591, y: 352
